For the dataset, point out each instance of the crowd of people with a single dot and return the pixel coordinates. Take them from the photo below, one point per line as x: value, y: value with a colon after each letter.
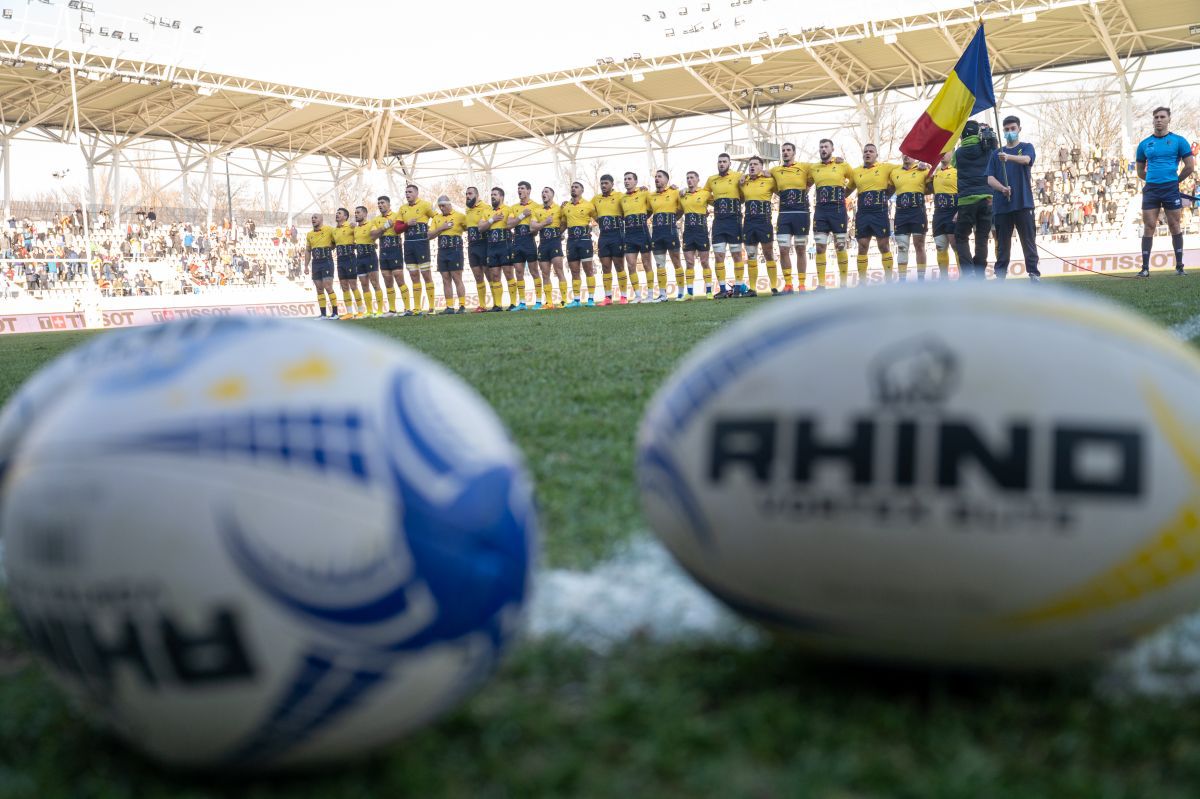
x: 144, y: 256
x: 631, y: 246
x: 1076, y: 194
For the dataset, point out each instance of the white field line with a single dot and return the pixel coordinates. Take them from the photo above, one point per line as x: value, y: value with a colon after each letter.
x: 639, y: 593
x: 642, y: 594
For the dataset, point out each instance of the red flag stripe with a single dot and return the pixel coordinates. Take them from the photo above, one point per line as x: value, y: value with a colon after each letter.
x: 926, y: 140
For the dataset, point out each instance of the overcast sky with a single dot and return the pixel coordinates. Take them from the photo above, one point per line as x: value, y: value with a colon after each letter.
x: 432, y: 45
x: 333, y: 47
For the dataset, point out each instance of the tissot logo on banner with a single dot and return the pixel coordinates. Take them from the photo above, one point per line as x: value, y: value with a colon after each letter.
x: 907, y: 457
x: 134, y: 317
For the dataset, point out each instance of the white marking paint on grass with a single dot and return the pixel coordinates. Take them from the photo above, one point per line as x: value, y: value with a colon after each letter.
x: 1187, y: 329
x: 642, y: 593
x: 1166, y: 663
x: 639, y: 593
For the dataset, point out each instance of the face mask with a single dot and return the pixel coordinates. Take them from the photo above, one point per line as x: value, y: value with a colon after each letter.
x: 1010, y: 136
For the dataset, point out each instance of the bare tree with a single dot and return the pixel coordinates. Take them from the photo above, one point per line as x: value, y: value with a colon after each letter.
x: 1185, y: 114
x: 881, y: 125
x: 591, y: 171
x: 1088, y: 119
x: 453, y: 187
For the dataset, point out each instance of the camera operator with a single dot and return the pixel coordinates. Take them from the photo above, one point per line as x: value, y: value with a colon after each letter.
x: 971, y: 159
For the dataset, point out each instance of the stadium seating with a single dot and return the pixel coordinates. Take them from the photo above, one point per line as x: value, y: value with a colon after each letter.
x: 43, y: 258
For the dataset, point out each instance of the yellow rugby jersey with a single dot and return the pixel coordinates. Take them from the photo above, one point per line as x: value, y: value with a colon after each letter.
x: 696, y: 202
x: 757, y: 193
x: 873, y: 183
x: 910, y: 189
x: 518, y: 208
x: 876, y: 177
x: 554, y: 213
x: 833, y: 181
x: 759, y: 188
x: 502, y: 223
x: 416, y: 216
x: 343, y: 234
x: 362, y: 234
x: 945, y: 181
x: 666, y: 202
x: 387, y: 222
x: 579, y: 214
x: 906, y: 181
x: 832, y: 174
x: 322, y: 237
x: 608, y: 212
x: 635, y: 202
x: 945, y: 189
x: 725, y: 187
x: 607, y: 204
x: 791, y: 184
x: 457, y: 220
x: 474, y: 215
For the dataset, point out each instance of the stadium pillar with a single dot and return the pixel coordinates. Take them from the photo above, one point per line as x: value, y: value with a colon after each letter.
x: 91, y: 186
x: 649, y: 159
x: 208, y: 191
x: 115, y: 186
x: 6, y: 165
x: 291, y: 170
x: 266, y: 191
x: 1128, y: 141
x: 390, y: 174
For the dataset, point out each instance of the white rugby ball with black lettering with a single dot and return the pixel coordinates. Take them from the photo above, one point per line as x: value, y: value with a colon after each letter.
x: 255, y: 543
x: 953, y: 474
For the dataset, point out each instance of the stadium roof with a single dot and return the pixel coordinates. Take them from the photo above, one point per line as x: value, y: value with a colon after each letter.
x: 122, y: 100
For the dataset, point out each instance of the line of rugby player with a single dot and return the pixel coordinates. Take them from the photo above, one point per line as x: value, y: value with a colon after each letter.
x: 376, y: 259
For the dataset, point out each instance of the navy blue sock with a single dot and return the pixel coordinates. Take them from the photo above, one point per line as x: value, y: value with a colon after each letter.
x: 1177, y: 245
x: 1146, y: 244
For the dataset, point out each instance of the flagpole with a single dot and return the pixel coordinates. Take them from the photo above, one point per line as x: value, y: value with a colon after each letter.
x: 1000, y: 144
x: 995, y: 108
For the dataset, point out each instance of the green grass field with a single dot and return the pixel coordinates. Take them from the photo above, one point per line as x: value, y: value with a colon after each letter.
x: 652, y: 720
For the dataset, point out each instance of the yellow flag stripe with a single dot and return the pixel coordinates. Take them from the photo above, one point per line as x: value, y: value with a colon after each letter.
x: 951, y: 108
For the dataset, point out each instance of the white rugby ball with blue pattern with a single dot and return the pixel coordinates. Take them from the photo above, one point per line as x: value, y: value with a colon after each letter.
x: 259, y: 543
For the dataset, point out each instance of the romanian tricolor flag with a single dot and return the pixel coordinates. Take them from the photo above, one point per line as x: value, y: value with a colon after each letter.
x: 967, y: 91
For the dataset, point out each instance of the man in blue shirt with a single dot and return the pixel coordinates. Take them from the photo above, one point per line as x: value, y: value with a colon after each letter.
x: 1158, y: 158
x: 1012, y: 199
